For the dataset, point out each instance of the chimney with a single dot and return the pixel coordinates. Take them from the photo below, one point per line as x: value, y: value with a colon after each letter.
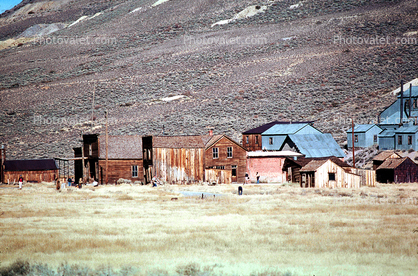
x: 210, y: 132
x: 401, y: 108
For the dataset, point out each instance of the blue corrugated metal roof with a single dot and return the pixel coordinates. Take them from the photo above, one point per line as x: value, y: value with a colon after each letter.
x: 284, y: 129
x: 317, y: 145
x: 387, y: 133
x: 361, y: 128
x: 406, y: 92
x: 407, y: 129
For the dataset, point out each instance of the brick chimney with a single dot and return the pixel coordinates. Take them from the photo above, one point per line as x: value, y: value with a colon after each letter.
x: 210, y: 132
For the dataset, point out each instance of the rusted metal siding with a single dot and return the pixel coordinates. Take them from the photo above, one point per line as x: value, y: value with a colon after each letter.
x: 179, y: 165
x: 218, y: 176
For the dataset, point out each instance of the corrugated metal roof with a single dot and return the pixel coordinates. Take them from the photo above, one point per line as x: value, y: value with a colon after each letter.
x: 361, y: 128
x: 284, y: 129
x: 30, y: 165
x: 121, y: 147
x: 261, y: 129
x: 407, y: 129
x: 317, y: 145
x: 387, y: 133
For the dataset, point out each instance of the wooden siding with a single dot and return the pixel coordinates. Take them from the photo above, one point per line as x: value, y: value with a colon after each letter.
x: 30, y: 176
x: 252, y: 145
x: 120, y: 169
x: 183, y: 166
x: 218, y: 176
x: 239, y: 158
x: 367, y: 177
x: 343, y: 179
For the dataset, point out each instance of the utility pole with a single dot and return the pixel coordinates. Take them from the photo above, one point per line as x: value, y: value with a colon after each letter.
x: 92, y: 109
x: 82, y: 156
x: 107, y: 151
x: 352, y: 139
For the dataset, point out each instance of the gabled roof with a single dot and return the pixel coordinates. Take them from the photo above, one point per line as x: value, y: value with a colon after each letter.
x: 385, y: 155
x: 285, y: 153
x: 362, y: 128
x: 285, y: 129
x: 314, y: 164
x: 181, y: 142
x: 387, y: 133
x: 392, y: 163
x: 262, y: 128
x: 317, y: 145
x: 121, y: 147
x: 30, y: 165
x: 216, y: 138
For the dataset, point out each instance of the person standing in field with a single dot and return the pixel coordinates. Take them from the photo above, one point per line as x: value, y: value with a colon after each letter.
x: 246, y: 178
x: 20, y: 182
x: 258, y: 178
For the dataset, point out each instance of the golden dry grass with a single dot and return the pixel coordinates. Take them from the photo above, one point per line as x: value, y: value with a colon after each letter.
x: 367, y: 231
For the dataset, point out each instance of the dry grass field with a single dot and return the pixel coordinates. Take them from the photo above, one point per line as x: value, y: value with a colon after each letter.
x: 269, y: 230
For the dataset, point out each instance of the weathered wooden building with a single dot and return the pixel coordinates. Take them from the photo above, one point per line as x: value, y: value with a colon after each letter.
x: 269, y: 165
x: 333, y: 173
x: 397, y: 170
x: 31, y: 170
x: 381, y: 157
x: 194, y: 158
x: 225, y: 160
x: 86, y: 157
x: 291, y: 168
x: 124, y: 159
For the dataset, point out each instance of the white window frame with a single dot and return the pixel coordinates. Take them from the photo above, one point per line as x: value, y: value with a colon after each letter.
x: 229, y: 151
x: 134, y: 170
x: 215, y: 153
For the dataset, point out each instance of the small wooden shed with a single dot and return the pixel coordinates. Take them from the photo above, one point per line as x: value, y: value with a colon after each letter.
x: 397, y: 170
x: 328, y: 173
x: 37, y: 170
x: 381, y: 157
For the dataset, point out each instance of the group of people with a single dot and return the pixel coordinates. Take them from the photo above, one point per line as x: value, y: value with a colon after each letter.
x: 247, y: 178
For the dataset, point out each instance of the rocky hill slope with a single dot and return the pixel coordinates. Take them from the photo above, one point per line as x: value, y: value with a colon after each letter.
x: 168, y: 66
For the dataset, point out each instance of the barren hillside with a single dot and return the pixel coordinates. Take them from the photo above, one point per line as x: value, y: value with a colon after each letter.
x: 311, y: 60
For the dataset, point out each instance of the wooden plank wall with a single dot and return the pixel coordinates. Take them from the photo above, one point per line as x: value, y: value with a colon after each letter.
x: 342, y: 178
x: 218, y: 176
x: 367, y: 177
x: 239, y: 157
x: 181, y: 166
x: 120, y: 169
x: 30, y: 176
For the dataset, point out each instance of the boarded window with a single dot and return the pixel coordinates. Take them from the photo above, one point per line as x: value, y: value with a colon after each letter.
x: 229, y: 152
x: 355, y: 138
x: 399, y: 140
x: 331, y: 176
x: 270, y: 140
x: 247, y: 139
x: 234, y: 170
x: 375, y: 138
x: 215, y: 153
x: 409, y: 139
x: 134, y: 171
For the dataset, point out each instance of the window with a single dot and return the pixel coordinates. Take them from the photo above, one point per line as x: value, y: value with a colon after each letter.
x: 256, y: 140
x: 247, y: 139
x: 331, y: 176
x: 215, y: 153
x: 399, y: 140
x: 270, y: 140
x: 409, y: 139
x: 375, y: 138
x: 234, y: 170
x: 134, y: 171
x: 229, y: 152
x: 355, y: 138
x: 220, y: 167
x: 415, y: 103
x: 90, y: 149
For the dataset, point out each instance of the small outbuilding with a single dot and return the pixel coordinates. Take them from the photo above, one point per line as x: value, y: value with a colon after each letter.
x: 38, y: 170
x: 397, y: 170
x: 381, y: 157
